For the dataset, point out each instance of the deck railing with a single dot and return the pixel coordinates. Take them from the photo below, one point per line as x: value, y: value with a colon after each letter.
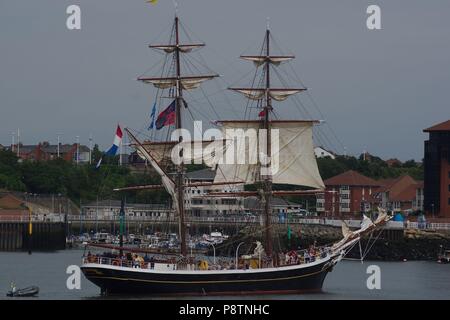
x: 300, y: 257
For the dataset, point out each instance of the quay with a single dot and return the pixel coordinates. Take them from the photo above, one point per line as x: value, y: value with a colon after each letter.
x: 46, y: 236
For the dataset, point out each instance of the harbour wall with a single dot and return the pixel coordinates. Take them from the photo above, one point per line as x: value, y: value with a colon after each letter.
x: 46, y: 236
x: 390, y: 245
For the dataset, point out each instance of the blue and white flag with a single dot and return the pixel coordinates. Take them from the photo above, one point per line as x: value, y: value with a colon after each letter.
x: 113, y: 150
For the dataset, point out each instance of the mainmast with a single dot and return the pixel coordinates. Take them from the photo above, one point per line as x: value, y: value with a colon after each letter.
x: 180, y: 82
x: 267, y: 93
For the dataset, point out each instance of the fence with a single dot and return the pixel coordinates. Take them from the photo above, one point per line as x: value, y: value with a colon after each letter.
x: 223, y: 219
x: 352, y: 223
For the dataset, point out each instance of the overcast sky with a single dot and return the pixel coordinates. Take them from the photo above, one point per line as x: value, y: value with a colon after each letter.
x: 377, y: 90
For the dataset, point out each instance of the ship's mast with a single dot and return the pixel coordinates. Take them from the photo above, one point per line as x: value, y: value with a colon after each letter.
x: 178, y: 125
x: 267, y: 93
x: 267, y: 178
x: 180, y: 82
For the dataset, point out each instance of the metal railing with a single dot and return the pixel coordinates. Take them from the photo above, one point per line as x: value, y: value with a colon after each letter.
x: 352, y: 223
x: 35, y: 218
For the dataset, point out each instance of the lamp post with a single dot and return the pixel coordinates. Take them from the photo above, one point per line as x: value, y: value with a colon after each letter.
x: 237, y: 250
x: 78, y: 148
x: 58, y: 145
x: 13, y: 142
x: 214, y: 250
x: 90, y: 149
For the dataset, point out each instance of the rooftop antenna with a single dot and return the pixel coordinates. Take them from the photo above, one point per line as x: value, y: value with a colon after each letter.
x: 268, y: 23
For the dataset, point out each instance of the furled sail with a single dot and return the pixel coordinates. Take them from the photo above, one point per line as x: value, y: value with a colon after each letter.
x: 182, y: 47
x: 260, y: 60
x: 293, y: 162
x: 194, y: 151
x: 346, y: 232
x: 187, y: 82
x: 276, y: 94
x: 382, y: 216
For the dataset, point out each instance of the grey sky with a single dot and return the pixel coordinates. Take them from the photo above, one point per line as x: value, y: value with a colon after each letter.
x: 377, y: 89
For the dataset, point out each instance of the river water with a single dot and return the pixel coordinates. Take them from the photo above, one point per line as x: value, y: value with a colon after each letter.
x: 399, y: 280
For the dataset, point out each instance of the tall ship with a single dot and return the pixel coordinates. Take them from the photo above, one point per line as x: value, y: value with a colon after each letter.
x: 288, y: 142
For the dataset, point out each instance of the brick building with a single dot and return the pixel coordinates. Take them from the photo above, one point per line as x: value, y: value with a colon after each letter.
x: 45, y: 151
x: 401, y: 194
x: 347, y: 193
x: 353, y: 193
x: 437, y: 170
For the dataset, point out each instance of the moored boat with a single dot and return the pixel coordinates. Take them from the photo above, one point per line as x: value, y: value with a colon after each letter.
x: 25, y: 292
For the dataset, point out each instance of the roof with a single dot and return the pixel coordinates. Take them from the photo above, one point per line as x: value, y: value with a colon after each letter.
x: 25, y: 148
x: 204, y: 174
x: 326, y: 150
x: 443, y: 126
x: 393, y: 161
x: 9, y: 202
x: 52, y: 148
x: 351, y: 178
x: 39, y: 203
x: 63, y: 148
x: 402, y: 189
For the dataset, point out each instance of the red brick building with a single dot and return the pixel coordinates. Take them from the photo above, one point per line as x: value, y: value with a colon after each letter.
x: 437, y: 170
x: 401, y: 194
x: 45, y: 151
x: 347, y: 193
x: 352, y: 193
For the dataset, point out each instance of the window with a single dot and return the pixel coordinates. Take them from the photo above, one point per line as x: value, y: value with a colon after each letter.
x: 449, y: 188
x: 229, y: 201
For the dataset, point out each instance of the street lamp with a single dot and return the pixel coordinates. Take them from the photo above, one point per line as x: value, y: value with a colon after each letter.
x: 237, y: 250
x: 214, y: 249
x: 78, y: 148
x: 58, y: 145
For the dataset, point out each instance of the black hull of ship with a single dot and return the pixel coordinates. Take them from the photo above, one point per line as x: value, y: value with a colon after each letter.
x: 280, y: 281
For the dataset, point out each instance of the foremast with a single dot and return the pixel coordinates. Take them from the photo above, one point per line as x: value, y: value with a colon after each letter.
x: 178, y: 125
x: 180, y: 82
x: 267, y: 178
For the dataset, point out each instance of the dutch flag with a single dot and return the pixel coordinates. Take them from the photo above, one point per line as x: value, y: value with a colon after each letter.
x: 113, y: 150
